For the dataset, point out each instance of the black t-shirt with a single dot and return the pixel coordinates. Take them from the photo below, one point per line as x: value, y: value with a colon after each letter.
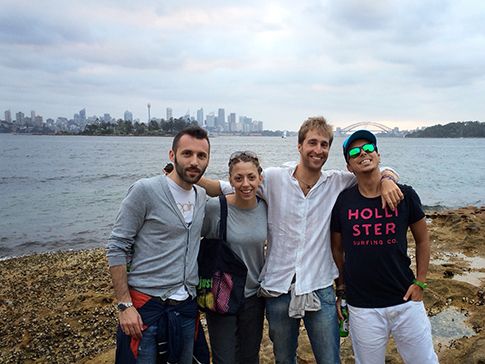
x: 377, y: 269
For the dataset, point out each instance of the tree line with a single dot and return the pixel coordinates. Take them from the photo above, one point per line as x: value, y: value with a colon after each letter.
x: 459, y: 129
x: 126, y: 127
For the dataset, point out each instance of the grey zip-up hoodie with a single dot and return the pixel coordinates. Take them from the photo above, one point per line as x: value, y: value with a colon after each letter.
x: 150, y: 231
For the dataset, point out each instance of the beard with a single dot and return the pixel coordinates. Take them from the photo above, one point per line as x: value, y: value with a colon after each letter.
x: 183, y: 173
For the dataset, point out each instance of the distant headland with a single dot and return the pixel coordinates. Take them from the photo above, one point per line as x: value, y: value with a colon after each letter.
x: 460, y: 129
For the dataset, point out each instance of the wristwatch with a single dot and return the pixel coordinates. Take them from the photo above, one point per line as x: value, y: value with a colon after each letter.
x: 124, y: 305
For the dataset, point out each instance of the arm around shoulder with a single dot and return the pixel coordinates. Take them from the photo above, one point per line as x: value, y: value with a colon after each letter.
x: 391, y: 194
x: 211, y: 186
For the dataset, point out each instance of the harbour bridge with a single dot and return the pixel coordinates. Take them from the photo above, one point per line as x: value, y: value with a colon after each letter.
x: 369, y: 125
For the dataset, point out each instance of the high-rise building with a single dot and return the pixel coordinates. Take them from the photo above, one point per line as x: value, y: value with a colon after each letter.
x: 82, y: 115
x: 211, y: 121
x: 128, y: 116
x: 231, y: 119
x: 19, y: 118
x: 169, y: 113
x: 8, y: 116
x: 38, y: 121
x: 246, y: 124
x: 32, y: 115
x: 200, y: 117
x: 221, y: 119
x: 107, y: 117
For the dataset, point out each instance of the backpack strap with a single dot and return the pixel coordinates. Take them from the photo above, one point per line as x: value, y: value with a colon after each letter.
x: 223, y: 221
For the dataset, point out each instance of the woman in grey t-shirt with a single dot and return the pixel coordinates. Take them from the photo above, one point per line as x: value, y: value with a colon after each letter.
x: 236, y: 339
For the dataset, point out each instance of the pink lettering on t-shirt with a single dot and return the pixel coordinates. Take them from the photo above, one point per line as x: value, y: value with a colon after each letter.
x: 366, y: 228
x: 366, y: 213
x: 390, y: 228
x: 353, y: 214
x: 377, y: 229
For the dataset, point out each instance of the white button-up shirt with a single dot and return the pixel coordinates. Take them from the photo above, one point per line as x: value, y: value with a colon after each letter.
x: 299, y: 229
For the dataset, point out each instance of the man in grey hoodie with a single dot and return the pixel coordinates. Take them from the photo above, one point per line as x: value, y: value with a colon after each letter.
x: 152, y: 254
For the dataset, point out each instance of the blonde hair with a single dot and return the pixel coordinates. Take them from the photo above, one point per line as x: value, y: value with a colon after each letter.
x: 318, y: 123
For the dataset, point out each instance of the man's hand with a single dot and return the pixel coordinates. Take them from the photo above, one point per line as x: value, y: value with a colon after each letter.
x: 338, y: 305
x: 391, y: 194
x: 414, y: 292
x: 131, y: 322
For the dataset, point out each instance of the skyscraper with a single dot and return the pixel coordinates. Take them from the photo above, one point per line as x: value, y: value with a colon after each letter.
x: 38, y: 122
x: 221, y: 119
x: 8, y: 116
x: 128, y: 116
x: 169, y: 113
x: 211, y: 121
x: 82, y: 115
x: 19, y: 118
x: 246, y: 124
x: 200, y: 117
x: 232, y: 121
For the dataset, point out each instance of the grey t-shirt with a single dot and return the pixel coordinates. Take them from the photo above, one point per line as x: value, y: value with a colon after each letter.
x: 246, y: 236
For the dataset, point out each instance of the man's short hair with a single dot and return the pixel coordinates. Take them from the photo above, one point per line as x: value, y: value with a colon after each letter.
x: 318, y: 123
x: 194, y: 131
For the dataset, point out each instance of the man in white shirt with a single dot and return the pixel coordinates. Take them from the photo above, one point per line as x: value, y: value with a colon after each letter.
x: 299, y: 270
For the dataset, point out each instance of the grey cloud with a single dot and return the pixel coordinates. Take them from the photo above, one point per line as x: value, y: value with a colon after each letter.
x: 360, y: 14
x: 30, y: 60
x: 28, y: 29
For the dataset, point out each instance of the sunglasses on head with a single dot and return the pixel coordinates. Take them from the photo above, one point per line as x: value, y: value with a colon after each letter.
x: 245, y: 153
x: 355, y: 151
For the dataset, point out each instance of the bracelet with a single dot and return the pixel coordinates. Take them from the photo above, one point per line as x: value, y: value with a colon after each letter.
x: 420, y: 284
x: 387, y: 176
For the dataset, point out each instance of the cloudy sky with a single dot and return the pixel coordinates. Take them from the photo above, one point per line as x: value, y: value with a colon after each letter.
x: 404, y: 63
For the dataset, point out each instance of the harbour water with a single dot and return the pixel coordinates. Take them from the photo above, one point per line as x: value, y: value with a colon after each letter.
x: 63, y: 192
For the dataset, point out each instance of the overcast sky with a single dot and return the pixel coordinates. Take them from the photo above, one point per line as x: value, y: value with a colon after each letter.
x: 404, y: 63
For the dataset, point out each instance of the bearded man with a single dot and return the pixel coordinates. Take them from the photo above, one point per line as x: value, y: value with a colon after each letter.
x: 152, y: 253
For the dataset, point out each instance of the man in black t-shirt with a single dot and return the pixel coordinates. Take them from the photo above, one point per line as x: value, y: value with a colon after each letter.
x: 369, y: 246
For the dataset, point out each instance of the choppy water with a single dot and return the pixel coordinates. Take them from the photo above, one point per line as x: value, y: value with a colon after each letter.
x: 64, y: 192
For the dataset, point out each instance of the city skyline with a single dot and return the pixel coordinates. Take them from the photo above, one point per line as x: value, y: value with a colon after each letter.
x: 219, y: 123
x: 403, y: 64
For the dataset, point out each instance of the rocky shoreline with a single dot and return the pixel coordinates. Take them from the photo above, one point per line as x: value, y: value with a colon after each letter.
x: 59, y: 307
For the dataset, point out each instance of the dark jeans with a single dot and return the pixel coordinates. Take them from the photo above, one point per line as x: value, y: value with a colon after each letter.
x: 147, y: 350
x: 236, y: 339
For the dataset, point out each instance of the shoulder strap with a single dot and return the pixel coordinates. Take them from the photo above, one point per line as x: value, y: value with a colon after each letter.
x: 223, y: 222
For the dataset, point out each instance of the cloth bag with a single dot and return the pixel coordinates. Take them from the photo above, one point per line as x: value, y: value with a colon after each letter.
x: 222, y: 274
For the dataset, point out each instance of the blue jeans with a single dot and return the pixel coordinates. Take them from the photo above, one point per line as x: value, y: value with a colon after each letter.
x: 147, y: 350
x: 321, y: 326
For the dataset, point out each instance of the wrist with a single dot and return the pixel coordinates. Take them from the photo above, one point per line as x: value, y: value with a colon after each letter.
x: 388, y: 177
x: 122, y: 306
x: 421, y: 284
